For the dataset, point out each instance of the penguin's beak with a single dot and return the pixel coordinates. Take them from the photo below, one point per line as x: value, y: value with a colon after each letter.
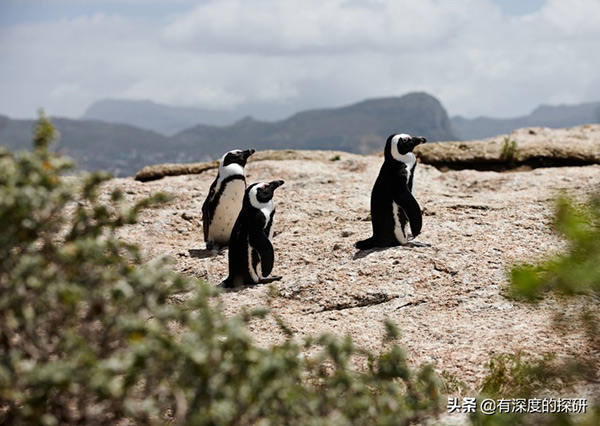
x: 275, y: 184
x: 419, y: 140
x: 247, y: 153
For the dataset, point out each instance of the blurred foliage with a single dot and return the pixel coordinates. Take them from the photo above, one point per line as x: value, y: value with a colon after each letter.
x: 575, y: 278
x: 90, y: 334
x: 511, y: 376
x: 577, y: 271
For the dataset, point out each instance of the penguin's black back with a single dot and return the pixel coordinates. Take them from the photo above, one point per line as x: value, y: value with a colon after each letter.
x: 391, y: 174
x: 392, y: 203
x: 250, y: 224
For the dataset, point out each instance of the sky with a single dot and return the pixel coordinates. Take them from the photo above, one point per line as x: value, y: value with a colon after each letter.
x: 497, y: 58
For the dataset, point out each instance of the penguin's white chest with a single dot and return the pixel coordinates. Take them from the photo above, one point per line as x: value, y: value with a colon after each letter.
x: 254, y: 266
x: 266, y: 211
x: 254, y: 260
x: 399, y: 230
x: 409, y: 161
x: 227, y: 212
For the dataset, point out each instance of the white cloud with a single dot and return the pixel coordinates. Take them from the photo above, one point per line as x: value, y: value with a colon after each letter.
x: 575, y: 18
x: 307, y: 53
x: 313, y: 26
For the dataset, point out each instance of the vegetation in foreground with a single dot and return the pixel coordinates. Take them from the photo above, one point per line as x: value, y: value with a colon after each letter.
x: 572, y: 277
x: 90, y: 334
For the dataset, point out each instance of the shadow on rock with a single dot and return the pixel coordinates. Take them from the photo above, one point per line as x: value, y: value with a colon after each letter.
x: 360, y: 254
x: 263, y: 281
x: 203, y: 253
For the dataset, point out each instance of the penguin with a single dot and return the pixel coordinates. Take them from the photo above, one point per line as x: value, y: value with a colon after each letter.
x: 251, y: 254
x: 224, y: 200
x: 392, y: 203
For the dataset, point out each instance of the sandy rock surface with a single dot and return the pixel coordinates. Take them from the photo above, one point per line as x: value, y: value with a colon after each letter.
x: 446, y: 295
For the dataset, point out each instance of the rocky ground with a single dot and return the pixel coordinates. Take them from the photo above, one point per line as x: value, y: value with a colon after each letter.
x: 447, y: 295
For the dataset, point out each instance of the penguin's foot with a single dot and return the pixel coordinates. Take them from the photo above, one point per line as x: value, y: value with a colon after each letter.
x: 416, y: 244
x: 365, y: 244
x: 210, y: 245
x: 227, y: 283
x: 372, y: 242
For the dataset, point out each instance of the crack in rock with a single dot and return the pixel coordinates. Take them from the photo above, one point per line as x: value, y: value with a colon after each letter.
x: 360, y: 301
x: 413, y: 303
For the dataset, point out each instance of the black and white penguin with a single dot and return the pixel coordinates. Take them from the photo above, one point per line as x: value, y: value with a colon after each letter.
x: 392, y: 203
x: 251, y: 254
x: 224, y: 200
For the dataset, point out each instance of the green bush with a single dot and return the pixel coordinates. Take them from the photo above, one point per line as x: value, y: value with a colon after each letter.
x: 574, y: 272
x: 577, y: 271
x: 512, y: 376
x: 91, y: 334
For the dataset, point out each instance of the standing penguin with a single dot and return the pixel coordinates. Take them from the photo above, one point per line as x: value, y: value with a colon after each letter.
x: 392, y: 203
x: 224, y: 200
x: 251, y: 254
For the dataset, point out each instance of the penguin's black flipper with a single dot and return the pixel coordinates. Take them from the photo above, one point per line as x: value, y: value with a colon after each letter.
x: 404, y: 198
x: 412, y: 175
x: 260, y: 242
x: 206, y: 219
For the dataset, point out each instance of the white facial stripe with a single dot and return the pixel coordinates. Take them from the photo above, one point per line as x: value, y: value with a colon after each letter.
x: 266, y: 208
x: 253, y: 199
x: 409, y: 158
x: 395, y: 154
x: 233, y: 169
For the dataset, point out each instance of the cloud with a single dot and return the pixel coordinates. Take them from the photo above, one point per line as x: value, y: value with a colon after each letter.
x: 576, y: 18
x: 317, y: 27
x: 295, y: 54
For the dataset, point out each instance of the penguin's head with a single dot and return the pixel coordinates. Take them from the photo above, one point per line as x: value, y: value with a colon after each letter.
x: 401, y: 144
x: 261, y: 193
x: 237, y: 156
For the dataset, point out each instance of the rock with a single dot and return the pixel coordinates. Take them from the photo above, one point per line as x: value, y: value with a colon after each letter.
x: 159, y: 171
x: 188, y: 216
x: 446, y: 294
x: 539, y: 147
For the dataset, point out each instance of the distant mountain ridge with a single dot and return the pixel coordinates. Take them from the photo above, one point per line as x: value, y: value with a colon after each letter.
x: 95, y: 145
x: 359, y: 128
x: 124, y: 149
x: 164, y: 119
x: 554, y: 117
x: 171, y: 120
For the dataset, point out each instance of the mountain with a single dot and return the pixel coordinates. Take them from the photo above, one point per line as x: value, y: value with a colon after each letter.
x: 164, y: 119
x: 124, y: 149
x: 359, y: 128
x: 119, y: 148
x: 544, y: 116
